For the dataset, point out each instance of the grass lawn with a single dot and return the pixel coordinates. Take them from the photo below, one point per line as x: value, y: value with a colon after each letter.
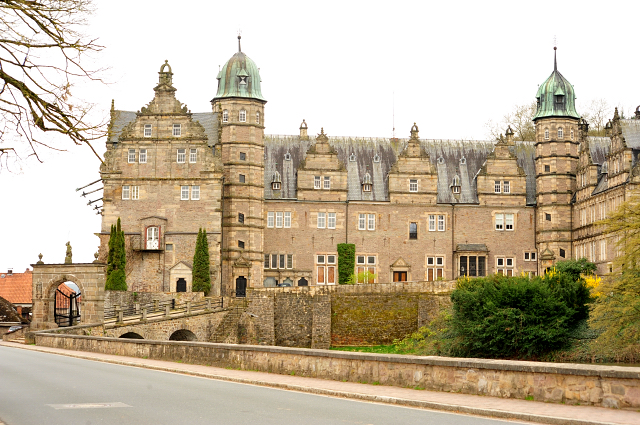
x: 384, y: 349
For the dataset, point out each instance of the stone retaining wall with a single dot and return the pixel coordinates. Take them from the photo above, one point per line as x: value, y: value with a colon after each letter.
x: 608, y: 386
x: 123, y: 298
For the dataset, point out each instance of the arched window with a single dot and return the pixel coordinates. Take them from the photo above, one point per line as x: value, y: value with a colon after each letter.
x: 243, y: 116
x: 571, y: 134
x: 225, y: 116
x: 257, y: 117
x: 546, y: 134
x: 560, y: 133
x: 153, y: 237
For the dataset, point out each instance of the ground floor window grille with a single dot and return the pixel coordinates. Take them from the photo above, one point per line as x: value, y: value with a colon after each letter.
x: 435, y: 268
x: 326, y: 269
x: 472, y: 266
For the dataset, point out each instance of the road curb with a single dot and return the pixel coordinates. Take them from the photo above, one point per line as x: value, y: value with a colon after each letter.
x: 451, y: 408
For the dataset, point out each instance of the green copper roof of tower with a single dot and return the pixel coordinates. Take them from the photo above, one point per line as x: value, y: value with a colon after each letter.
x: 556, y: 97
x: 239, y: 77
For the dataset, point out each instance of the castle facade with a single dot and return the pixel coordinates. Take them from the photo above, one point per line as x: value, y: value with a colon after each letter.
x: 275, y: 207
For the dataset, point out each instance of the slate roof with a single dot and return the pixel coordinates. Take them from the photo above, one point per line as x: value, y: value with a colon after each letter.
x: 16, y: 288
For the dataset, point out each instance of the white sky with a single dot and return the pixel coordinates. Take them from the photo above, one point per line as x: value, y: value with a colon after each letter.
x: 453, y: 66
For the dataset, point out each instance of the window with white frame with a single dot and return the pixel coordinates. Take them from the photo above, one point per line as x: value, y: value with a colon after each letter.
x: 362, y: 221
x: 326, y: 269
x: 182, y: 156
x: 432, y: 222
x: 195, y: 193
x: 177, y: 130
x: 435, y: 268
x: 366, y: 268
x: 243, y: 116
x: 505, y: 266
x: 441, y: 224
x: 504, y: 221
x: 132, y: 156
x: 287, y: 219
x: 322, y: 223
x: 270, y: 219
x: 327, y: 182
x: 147, y: 130
x: 289, y: 261
x: 193, y: 155
x: 546, y: 134
x: 184, y: 193
x: 413, y: 185
x: 331, y: 220
x: 225, y: 116
x: 506, y: 187
x: 153, y: 237
x: 572, y: 134
x: 142, y: 158
x: 135, y: 192
x: 316, y: 182
x: 508, y: 222
x: 530, y: 256
x: 560, y: 133
x: 371, y: 222
x: 126, y: 192
x: 497, y: 187
x: 257, y: 117
x: 603, y: 250
x: 279, y: 219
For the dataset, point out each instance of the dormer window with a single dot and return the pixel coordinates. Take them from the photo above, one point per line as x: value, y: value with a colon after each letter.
x: 242, y: 116
x: 352, y: 157
x: 376, y: 158
x: 243, y: 80
x: 560, y: 133
x: 455, y: 186
x: 275, y: 185
x: 559, y: 99
x: 243, y: 77
x: 538, y: 101
x: 287, y: 156
x: 276, y: 181
x: 366, y: 183
x: 225, y: 116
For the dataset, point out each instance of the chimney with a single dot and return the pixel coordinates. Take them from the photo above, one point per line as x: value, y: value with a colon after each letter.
x: 10, y: 272
x: 303, y: 131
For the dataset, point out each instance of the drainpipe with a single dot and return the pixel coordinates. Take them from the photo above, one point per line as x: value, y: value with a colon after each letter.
x: 453, y: 220
x: 346, y: 225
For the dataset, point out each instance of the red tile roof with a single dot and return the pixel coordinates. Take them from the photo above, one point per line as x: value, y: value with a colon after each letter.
x: 16, y: 288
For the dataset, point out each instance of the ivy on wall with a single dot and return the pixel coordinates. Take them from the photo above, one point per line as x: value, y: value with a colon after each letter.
x: 346, y: 262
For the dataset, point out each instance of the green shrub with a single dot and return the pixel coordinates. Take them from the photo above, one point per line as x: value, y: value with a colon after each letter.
x: 201, y: 273
x: 346, y: 262
x: 116, y: 279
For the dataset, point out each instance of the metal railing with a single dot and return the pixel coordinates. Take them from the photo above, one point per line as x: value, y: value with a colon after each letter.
x: 159, y: 308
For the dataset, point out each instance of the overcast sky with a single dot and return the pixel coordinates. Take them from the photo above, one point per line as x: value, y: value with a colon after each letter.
x: 450, y: 66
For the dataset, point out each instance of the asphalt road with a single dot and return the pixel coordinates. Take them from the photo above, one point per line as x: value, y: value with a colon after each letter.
x: 39, y: 388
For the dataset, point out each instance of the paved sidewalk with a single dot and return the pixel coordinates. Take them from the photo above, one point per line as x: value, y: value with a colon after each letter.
x: 547, y: 413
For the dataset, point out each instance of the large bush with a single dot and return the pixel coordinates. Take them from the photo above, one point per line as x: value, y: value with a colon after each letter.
x: 346, y: 262
x: 516, y: 317
x: 116, y: 260
x: 201, y: 272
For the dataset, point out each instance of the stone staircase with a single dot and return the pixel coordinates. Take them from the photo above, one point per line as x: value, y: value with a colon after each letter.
x: 227, y: 331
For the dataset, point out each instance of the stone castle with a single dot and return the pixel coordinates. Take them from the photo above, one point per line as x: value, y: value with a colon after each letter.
x: 275, y: 207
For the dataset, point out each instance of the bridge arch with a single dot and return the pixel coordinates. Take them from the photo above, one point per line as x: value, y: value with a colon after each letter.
x: 131, y: 335
x: 183, y: 335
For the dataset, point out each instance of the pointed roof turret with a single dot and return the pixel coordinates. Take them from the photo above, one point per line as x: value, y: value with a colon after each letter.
x: 239, y: 77
x: 556, y: 96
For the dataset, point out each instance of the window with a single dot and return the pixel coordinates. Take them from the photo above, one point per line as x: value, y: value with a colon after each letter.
x: 241, y: 178
x: 257, y: 117
x: 195, y: 193
x: 279, y: 220
x: 435, y: 268
x: 143, y: 156
x: 243, y: 156
x: 497, y: 187
x: 327, y: 182
x: 506, y: 187
x: 505, y: 266
x: 321, y: 220
x: 266, y: 261
x: 316, y: 182
x: 182, y: 156
x: 281, y: 262
x: 147, y: 130
x: 270, y: 219
x: 547, y: 216
x: 193, y: 155
x: 432, y: 223
x: 603, y: 250
x: 472, y: 265
x: 135, y: 192
x: 153, y: 237
x: 530, y: 256
x: 177, y: 130
x: 560, y: 133
x: 243, y: 116
x: 547, y: 168
x: 562, y: 253
x: 366, y: 187
x: 274, y: 261
x: 125, y: 192
x: 225, y: 116
x: 331, y: 220
x: 169, y: 247
x: 132, y: 155
x: 240, y: 218
x: 184, y: 193
x: 571, y: 134
x: 289, y: 261
x: 504, y: 221
x: 287, y: 219
x: 546, y: 134
x: 441, y: 225
x: 326, y: 269
x: 413, y: 185
x: 413, y: 230
x: 455, y: 189
x: 366, y: 269
x: 241, y: 244
x: 371, y: 222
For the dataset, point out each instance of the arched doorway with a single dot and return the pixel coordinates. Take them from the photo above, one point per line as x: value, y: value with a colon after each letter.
x: 131, y: 335
x: 183, y: 335
x: 303, y: 282
x: 181, y: 285
x: 241, y: 286
x: 66, y: 304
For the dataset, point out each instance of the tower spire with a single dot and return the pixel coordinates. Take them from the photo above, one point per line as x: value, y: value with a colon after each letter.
x: 555, y: 62
x: 239, y: 37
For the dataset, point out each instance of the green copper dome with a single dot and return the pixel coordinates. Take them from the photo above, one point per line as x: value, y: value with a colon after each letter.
x: 239, y: 77
x: 556, y: 97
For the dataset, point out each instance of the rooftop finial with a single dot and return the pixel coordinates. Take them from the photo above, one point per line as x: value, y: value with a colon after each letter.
x: 239, y: 37
x: 555, y: 48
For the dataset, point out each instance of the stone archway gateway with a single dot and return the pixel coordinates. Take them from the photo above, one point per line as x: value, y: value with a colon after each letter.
x: 88, y: 277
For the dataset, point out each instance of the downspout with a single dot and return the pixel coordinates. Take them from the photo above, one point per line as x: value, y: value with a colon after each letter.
x: 222, y: 292
x: 453, y: 231
x: 346, y: 225
x: 535, y: 236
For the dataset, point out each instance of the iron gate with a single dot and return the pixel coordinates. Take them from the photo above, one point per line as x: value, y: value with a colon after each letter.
x: 67, y: 309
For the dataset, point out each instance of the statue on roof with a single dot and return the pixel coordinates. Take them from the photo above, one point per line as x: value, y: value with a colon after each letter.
x: 67, y: 258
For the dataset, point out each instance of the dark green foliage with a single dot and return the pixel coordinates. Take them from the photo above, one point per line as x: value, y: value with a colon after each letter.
x: 575, y: 268
x: 515, y: 317
x: 201, y: 268
x: 346, y: 262
x: 116, y: 261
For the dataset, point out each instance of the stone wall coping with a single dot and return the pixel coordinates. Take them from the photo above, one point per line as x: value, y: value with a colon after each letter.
x: 621, y: 372
x: 70, y: 265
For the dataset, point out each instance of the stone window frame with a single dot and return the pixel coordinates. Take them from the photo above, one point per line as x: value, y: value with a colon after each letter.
x: 366, y: 265
x: 546, y: 134
x: 271, y: 219
x: 135, y: 193
x: 279, y: 219
x: 126, y: 191
x: 242, y: 115
x: 571, y: 132
x: 322, y: 220
x: 195, y: 193
x: 331, y: 220
x: 413, y: 235
x: 258, y: 117
x: 184, y: 193
x: 502, y: 220
x: 147, y: 130
x: 225, y: 116
x: 413, y: 185
x: 362, y: 221
x: 497, y: 186
x: 243, y: 156
x: 242, y: 178
x: 131, y: 156
x: 506, y: 186
x: 371, y: 218
x: 287, y: 219
x: 177, y: 130
x: 530, y: 256
x: 181, y: 155
x: 326, y: 185
x: 435, y: 266
x: 316, y: 182
x: 505, y: 266
x: 193, y: 155
x: 326, y: 264
x: 560, y: 133
x: 142, y: 156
